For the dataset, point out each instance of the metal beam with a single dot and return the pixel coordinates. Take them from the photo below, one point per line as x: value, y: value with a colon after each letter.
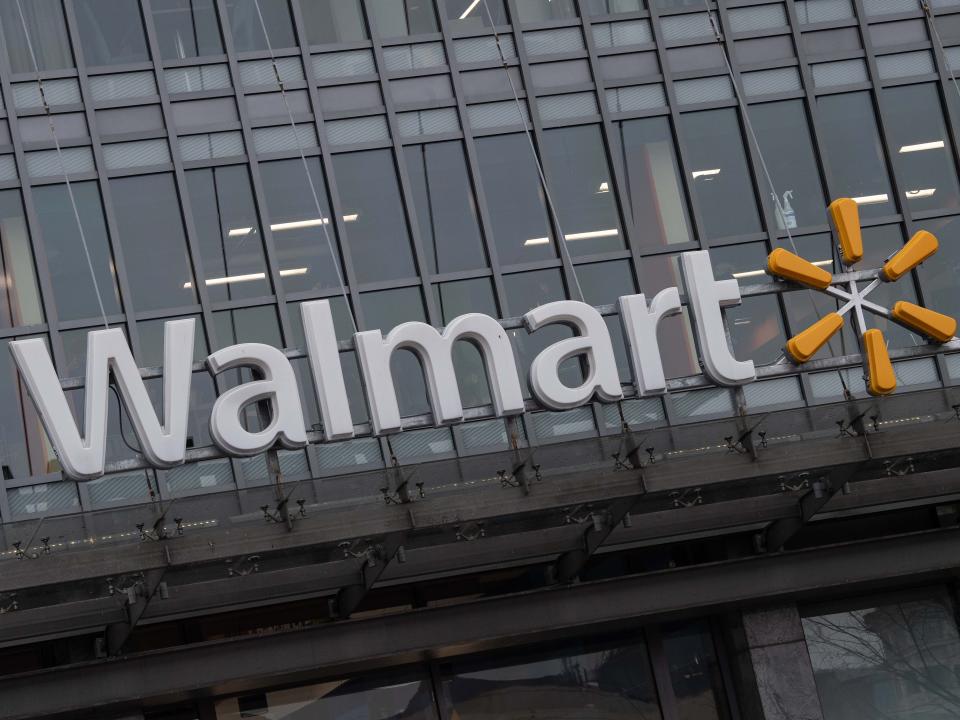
x: 343, y: 648
x: 599, y: 526
x: 375, y: 560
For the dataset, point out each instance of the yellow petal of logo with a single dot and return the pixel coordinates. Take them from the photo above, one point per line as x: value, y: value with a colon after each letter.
x: 845, y: 218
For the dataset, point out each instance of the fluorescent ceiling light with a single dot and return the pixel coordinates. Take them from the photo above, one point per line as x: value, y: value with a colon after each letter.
x: 293, y: 224
x: 934, y: 145
x: 705, y: 173
x: 229, y: 279
x: 469, y: 9
x: 575, y: 236
x: 922, y: 193
x: 604, y: 188
x: 871, y: 199
x: 592, y: 234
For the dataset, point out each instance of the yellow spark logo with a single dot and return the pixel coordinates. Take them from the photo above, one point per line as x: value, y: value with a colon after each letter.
x: 935, y: 326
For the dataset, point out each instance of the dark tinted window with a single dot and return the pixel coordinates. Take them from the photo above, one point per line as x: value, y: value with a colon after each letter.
x: 111, y: 32
x: 45, y: 29
x: 186, y: 28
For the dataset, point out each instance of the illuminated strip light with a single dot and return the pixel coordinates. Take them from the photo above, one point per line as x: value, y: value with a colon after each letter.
x: 871, y: 199
x: 705, y: 173
x: 575, y: 236
x: 934, y: 145
x: 229, y: 279
x: 757, y: 273
x: 293, y: 224
x: 917, y: 194
x: 469, y: 9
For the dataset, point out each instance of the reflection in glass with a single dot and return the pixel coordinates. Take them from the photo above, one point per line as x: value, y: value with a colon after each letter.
x: 525, y: 291
x: 784, y: 139
x: 397, y: 18
x: 247, y: 30
x: 694, y: 671
x: 73, y: 287
x: 472, y: 14
x: 721, y: 182
x: 154, y: 246
x: 608, y: 682
x: 24, y: 447
x: 853, y: 154
x: 896, y: 660
x: 333, y: 21
x: 677, y: 347
x: 580, y: 182
x: 657, y: 204
x: 531, y: 11
x: 405, y: 699
x: 111, y: 33
x: 186, y: 28
x: 446, y: 211
x: 611, y: 7
x: 922, y: 158
x: 377, y: 235
x: 459, y: 298
x: 514, y: 195
x: 385, y: 310
x: 47, y: 32
x: 229, y: 233
x: 299, y: 235
x: 20, y: 299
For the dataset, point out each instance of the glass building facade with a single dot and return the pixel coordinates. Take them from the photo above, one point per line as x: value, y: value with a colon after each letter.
x: 229, y: 160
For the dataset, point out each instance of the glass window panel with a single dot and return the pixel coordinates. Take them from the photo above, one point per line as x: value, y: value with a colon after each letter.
x: 784, y: 138
x: 333, y: 21
x: 697, y: 57
x: 271, y: 106
x: 611, y: 7
x: 611, y: 680
x: 677, y: 348
x: 20, y: 300
x: 763, y: 49
x: 359, y: 697
x: 518, y: 211
x: 421, y: 90
x: 480, y: 84
x: 805, y: 307
x: 398, y: 18
x: 73, y: 287
x: 383, y: 311
x: 301, y: 238
x: 879, y: 243
x: 186, y: 28
x: 459, y: 298
x: 111, y: 33
x: 853, y: 154
x: 247, y: 30
x: 603, y: 284
x: 377, y: 233
x: 203, y: 113
x: 24, y: 447
x: 129, y: 120
x: 754, y: 327
x: 151, y: 233
x: 531, y: 11
x: 898, y: 33
x: 831, y: 41
x: 228, y: 232
x: 892, y: 658
x: 471, y: 15
x: 558, y: 74
x: 938, y: 277
x: 629, y: 66
x: 922, y: 157
x: 46, y: 31
x: 694, y: 671
x: 721, y: 182
x: 446, y: 210
x: 656, y: 199
x: 580, y: 181
x: 525, y: 291
x: 68, y: 126
x: 350, y: 97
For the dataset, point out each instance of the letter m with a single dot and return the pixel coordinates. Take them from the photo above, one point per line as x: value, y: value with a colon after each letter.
x: 435, y: 354
x: 82, y: 458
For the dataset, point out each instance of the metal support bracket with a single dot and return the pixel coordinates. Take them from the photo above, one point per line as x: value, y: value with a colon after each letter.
x: 375, y: 557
